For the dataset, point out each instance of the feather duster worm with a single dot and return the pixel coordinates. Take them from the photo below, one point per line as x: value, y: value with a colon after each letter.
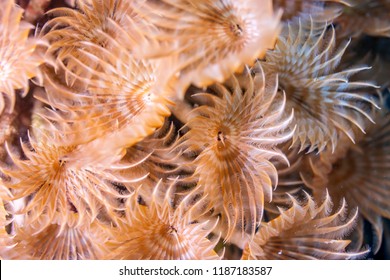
x: 325, y: 103
x: 57, y: 186
x: 305, y: 231
x: 98, y: 84
x: 317, y: 9
x: 365, y: 17
x: 360, y: 176
x: 290, y: 182
x: 160, y: 231
x: 126, y: 94
x: 124, y: 102
x: 159, y: 159
x: 79, y: 38
x: 235, y: 137
x: 99, y: 90
x: 60, y: 241
x: 213, y: 38
x: 19, y: 55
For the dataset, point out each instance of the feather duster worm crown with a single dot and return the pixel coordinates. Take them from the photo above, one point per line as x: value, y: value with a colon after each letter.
x: 56, y: 186
x: 19, y: 55
x: 59, y: 240
x: 125, y: 93
x: 157, y: 160
x: 326, y: 104
x: 365, y: 17
x: 212, y: 38
x: 235, y: 137
x: 183, y: 129
x: 78, y: 36
x: 360, y: 177
x: 305, y: 231
x: 160, y: 231
x: 98, y: 89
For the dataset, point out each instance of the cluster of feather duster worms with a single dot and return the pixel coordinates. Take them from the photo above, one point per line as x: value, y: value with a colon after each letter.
x: 182, y: 129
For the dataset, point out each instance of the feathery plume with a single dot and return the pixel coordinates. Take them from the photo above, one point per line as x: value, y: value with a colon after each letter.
x: 235, y: 136
x: 318, y: 10
x: 365, y: 17
x: 57, y: 186
x: 213, y: 39
x: 157, y: 158
x: 19, y: 55
x: 80, y: 39
x: 360, y: 176
x: 160, y: 231
x: 304, y: 231
x: 325, y: 103
x: 72, y: 241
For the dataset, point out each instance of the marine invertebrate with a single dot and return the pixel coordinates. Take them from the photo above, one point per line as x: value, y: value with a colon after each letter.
x: 304, y: 231
x: 235, y: 135
x: 158, y: 159
x: 60, y: 241
x: 290, y: 183
x: 75, y: 35
x: 122, y: 95
x: 359, y: 177
x: 177, y: 129
x: 98, y: 90
x: 57, y: 186
x: 317, y: 9
x: 365, y: 17
x: 19, y: 54
x: 213, y: 38
x: 160, y: 230
x: 325, y: 102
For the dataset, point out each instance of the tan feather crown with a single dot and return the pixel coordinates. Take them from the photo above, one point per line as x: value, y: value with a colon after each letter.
x: 20, y: 56
x: 326, y: 103
x: 235, y: 137
x: 304, y: 231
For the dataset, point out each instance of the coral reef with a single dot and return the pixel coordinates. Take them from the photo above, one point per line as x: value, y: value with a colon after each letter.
x: 179, y: 129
